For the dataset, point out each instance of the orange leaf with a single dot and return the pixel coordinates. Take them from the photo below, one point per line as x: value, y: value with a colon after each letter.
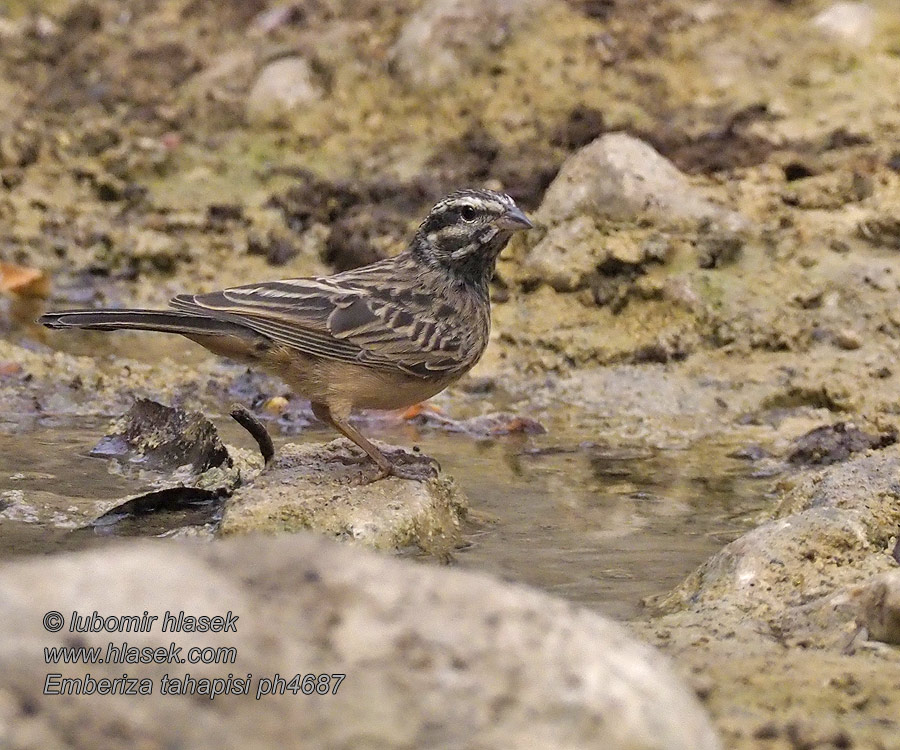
x: 416, y: 409
x: 24, y: 281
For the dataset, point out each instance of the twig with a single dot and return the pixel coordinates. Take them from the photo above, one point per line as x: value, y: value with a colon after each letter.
x: 249, y: 422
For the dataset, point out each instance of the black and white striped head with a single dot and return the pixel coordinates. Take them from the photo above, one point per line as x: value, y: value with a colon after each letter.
x: 467, y: 230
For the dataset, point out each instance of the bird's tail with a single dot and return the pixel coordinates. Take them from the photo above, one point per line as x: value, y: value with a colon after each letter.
x: 187, y: 324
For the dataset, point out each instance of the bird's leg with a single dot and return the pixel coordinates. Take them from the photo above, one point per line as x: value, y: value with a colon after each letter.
x: 385, y: 467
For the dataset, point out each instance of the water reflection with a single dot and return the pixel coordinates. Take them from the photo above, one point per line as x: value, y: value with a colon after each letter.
x: 599, y: 525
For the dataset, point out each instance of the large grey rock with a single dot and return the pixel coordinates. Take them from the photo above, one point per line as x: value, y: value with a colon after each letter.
x: 433, y: 657
x: 282, y: 86
x: 316, y: 487
x: 446, y: 39
x: 620, y: 178
x: 759, y: 572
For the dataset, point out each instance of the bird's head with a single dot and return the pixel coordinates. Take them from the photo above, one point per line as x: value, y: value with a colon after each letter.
x: 466, y: 231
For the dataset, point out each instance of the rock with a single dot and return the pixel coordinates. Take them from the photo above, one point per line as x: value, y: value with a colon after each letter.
x: 484, y: 426
x: 831, y: 530
x: 620, y: 178
x: 878, y: 603
x: 433, y: 657
x: 19, y: 147
x: 882, y: 230
x: 853, y: 23
x: 829, y: 191
x: 718, y: 249
x: 751, y: 452
x: 9, y: 29
x: 833, y: 443
x: 758, y: 574
x: 282, y: 86
x: 570, y: 255
x: 447, y: 39
x: 308, y: 487
x: 231, y: 69
x: 162, y: 438
x: 567, y: 256
x: 848, y: 339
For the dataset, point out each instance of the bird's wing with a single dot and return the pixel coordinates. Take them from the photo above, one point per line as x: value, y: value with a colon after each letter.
x: 349, y: 317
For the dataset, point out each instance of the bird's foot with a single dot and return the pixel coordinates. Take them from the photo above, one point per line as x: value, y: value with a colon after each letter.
x: 420, y: 470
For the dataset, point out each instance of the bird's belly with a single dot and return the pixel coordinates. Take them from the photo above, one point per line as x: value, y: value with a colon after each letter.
x: 357, y: 386
x: 393, y: 391
x: 367, y: 388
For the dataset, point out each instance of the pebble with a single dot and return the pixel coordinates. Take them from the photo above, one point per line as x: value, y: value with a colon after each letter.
x: 849, y: 22
x: 879, y: 607
x: 848, y: 339
x: 446, y: 39
x: 282, y: 86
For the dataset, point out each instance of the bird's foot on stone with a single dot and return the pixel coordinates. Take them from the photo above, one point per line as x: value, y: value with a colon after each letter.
x: 418, y: 470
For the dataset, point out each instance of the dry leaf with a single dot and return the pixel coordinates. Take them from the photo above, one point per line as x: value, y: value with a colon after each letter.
x: 24, y: 281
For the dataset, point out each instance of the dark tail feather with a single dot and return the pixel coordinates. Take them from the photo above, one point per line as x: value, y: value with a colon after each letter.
x: 187, y: 324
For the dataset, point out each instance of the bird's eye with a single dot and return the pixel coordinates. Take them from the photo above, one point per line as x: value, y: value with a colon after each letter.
x: 468, y: 213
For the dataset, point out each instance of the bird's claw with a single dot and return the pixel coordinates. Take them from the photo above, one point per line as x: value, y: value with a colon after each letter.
x: 416, y: 472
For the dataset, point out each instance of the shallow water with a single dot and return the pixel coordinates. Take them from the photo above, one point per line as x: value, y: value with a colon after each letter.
x: 603, y: 527
x: 600, y: 527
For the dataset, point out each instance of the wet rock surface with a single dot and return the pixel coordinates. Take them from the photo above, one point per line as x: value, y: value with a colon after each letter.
x: 320, y: 487
x: 428, y: 655
x: 163, y: 438
x: 833, y: 443
x: 797, y: 598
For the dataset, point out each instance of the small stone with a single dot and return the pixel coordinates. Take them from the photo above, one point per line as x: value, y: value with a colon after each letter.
x: 878, y: 602
x: 751, y: 452
x: 834, y: 443
x: 848, y: 339
x: 282, y: 86
x: 446, y: 39
x: 849, y: 22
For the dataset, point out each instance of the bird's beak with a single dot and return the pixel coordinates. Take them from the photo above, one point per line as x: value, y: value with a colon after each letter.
x: 513, y: 220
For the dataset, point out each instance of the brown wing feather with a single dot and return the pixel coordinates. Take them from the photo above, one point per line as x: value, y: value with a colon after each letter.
x: 362, y: 316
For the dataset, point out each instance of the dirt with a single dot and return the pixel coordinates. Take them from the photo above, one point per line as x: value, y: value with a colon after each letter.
x: 129, y: 172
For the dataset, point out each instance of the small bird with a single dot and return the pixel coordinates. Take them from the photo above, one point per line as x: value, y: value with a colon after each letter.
x: 384, y: 336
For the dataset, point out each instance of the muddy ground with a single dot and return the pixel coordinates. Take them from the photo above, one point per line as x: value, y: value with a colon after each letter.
x: 140, y: 157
